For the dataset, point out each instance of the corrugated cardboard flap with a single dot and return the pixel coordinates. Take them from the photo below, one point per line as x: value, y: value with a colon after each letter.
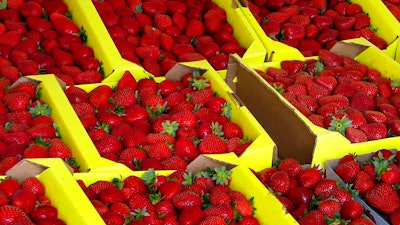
x: 179, y: 70
x: 202, y: 162
x: 25, y: 169
x: 294, y: 139
x: 350, y: 49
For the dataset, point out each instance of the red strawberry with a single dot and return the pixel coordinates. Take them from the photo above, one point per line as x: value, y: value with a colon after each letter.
x: 88, y: 77
x: 63, y: 24
x: 363, y: 182
x: 23, y: 199
x: 384, y: 198
x: 212, y: 144
x: 10, y: 214
x: 355, y: 135
x: 279, y: 182
x: 375, y: 131
x: 59, y: 149
x: 329, y: 58
x: 348, y: 170
x: 191, y: 215
x: 329, y: 207
x: 194, y: 28
x: 309, y: 177
x: 35, y: 185
x: 17, y: 101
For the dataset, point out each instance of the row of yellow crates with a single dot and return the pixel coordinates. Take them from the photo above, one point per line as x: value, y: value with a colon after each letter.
x: 247, y: 31
x: 287, y: 131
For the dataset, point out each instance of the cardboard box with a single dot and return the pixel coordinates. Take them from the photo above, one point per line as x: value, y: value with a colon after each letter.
x: 386, y: 27
x: 268, y: 210
x: 113, y: 61
x: 71, y: 130
x: 261, y: 152
x: 61, y: 188
x: 295, y: 136
x: 330, y: 173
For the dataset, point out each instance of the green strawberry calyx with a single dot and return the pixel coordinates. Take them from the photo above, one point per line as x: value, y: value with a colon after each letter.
x: 340, y: 124
x: 221, y: 175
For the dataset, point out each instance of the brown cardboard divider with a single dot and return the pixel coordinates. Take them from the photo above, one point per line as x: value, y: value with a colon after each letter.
x: 203, y: 161
x: 292, y: 136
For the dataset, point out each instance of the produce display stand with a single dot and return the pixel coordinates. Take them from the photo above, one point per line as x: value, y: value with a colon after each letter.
x: 278, y: 130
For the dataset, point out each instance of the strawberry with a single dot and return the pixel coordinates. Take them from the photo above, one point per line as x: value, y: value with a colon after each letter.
x: 362, y: 21
x: 373, y: 116
x: 384, y: 198
x: 88, y: 76
x: 394, y: 127
x: 10, y: 214
x: 31, y: 9
x: 10, y: 38
x: 309, y: 177
x: 355, y: 135
x: 63, y: 58
x: 17, y: 101
x: 291, y: 166
x: 23, y: 199
x: 59, y: 149
x: 63, y: 24
x: 362, y: 101
x: 279, y: 182
x: 375, y: 131
x: 348, y: 170
x: 34, y: 185
x: 45, y: 213
x: 194, y: 28
x: 191, y: 215
x: 363, y: 182
x: 124, y: 97
x: 212, y: 144
x: 36, y: 151
x: 329, y: 207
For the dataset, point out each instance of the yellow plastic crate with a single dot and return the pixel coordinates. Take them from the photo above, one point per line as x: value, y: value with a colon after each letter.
x: 61, y: 188
x: 294, y: 135
x: 261, y: 152
x: 102, y: 41
x: 268, y: 210
x: 85, y: 15
x: 386, y: 26
x: 71, y: 130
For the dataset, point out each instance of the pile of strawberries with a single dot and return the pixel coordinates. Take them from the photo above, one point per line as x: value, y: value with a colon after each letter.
x: 26, y: 203
x: 36, y: 37
x: 340, y: 94
x: 310, y: 25
x: 144, y: 124
x: 393, y: 6
x: 376, y: 179
x: 26, y: 127
x: 179, y: 198
x: 158, y: 34
x: 309, y: 197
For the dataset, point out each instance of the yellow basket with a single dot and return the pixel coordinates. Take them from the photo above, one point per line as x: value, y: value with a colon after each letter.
x: 386, y: 26
x: 261, y: 152
x: 268, y: 211
x: 71, y: 129
x: 295, y: 136
x: 61, y: 188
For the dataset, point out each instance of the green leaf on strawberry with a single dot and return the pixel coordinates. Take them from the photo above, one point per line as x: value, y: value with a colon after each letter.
x: 170, y: 127
x: 221, y: 175
x: 340, y: 124
x: 227, y: 110
x: 40, y: 110
x: 149, y: 177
